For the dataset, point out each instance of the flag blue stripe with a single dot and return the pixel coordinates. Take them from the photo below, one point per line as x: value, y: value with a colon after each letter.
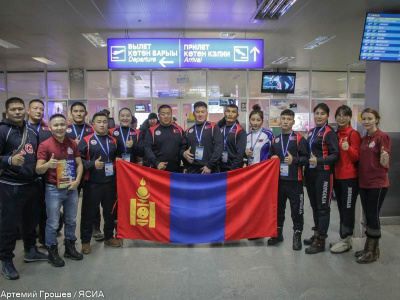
x: 198, y: 208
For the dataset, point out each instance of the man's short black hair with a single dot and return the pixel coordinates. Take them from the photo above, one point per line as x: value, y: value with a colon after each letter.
x: 200, y: 104
x: 14, y: 100
x: 57, y: 116
x: 78, y: 103
x: 35, y: 101
x: 233, y: 106
x: 288, y: 112
x: 164, y: 106
x: 98, y: 114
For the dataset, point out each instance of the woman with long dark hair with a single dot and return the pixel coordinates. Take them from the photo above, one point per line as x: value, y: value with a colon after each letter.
x: 324, y: 153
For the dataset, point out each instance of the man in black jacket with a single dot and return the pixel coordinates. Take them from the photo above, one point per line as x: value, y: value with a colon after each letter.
x: 202, y: 143
x: 20, y: 193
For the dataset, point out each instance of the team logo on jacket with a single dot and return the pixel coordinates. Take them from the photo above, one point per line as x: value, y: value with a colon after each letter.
x: 175, y: 130
x: 207, y: 127
x: 190, y: 130
x: 158, y: 132
x: 93, y: 142
x: 70, y: 151
x: 372, y: 144
x: 143, y: 211
x: 277, y: 140
x: 69, y: 130
x: 29, y: 148
x: 116, y: 133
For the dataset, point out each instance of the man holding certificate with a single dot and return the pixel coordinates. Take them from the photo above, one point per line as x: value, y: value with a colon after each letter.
x: 59, y: 158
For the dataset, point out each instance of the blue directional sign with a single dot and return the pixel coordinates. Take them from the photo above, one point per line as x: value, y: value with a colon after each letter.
x: 185, y: 53
x: 381, y: 40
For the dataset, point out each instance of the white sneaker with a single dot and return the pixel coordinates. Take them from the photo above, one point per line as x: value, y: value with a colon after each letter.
x: 342, y: 246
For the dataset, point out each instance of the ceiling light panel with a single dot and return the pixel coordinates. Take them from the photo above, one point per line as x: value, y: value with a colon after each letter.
x: 95, y: 39
x: 8, y: 45
x: 227, y: 35
x: 318, y: 42
x: 282, y: 60
x: 44, y: 60
x: 271, y: 9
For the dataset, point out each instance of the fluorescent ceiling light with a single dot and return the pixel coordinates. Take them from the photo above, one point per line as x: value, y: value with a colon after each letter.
x: 318, y: 42
x: 137, y: 77
x: 235, y: 77
x: 95, y: 39
x: 271, y: 9
x: 146, y: 87
x: 282, y: 60
x: 44, y: 60
x: 8, y: 45
x: 182, y: 79
x: 227, y: 35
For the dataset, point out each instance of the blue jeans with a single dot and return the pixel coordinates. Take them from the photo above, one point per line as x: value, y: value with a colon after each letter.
x: 55, y: 198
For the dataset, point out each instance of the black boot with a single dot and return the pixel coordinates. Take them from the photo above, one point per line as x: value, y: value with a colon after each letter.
x: 312, y: 238
x: 297, y: 240
x: 318, y: 245
x: 54, y: 259
x: 371, y: 252
x: 275, y: 240
x: 70, y: 251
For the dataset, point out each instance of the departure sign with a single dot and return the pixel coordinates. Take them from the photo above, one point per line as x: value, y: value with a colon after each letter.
x: 381, y: 40
x: 185, y: 53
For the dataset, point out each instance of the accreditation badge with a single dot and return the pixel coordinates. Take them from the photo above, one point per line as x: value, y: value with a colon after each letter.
x: 126, y: 157
x: 109, y: 168
x: 311, y: 166
x: 225, y: 156
x: 250, y: 160
x: 198, y: 155
x: 284, y: 169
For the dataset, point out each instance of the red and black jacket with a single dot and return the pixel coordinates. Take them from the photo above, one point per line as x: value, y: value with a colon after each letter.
x: 91, y: 150
x: 325, y: 147
x: 137, y: 147
x: 297, y: 148
x: 164, y: 144
x: 81, y: 130
x: 42, y: 129
x: 346, y: 167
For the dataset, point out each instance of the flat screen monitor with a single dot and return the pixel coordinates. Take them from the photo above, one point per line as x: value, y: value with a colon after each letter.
x: 381, y: 39
x: 282, y: 83
x: 140, y: 108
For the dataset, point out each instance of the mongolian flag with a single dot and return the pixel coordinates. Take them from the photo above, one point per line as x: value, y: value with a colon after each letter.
x: 189, y: 208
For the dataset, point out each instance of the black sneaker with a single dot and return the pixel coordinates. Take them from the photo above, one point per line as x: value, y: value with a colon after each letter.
x: 297, y: 240
x: 8, y: 270
x: 34, y: 255
x: 71, y: 252
x: 275, y: 240
x: 317, y: 246
x: 54, y: 259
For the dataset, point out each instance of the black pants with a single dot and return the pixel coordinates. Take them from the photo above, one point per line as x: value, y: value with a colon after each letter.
x: 319, y: 188
x: 19, y: 204
x: 346, y: 191
x: 95, y: 194
x: 292, y: 190
x: 97, y: 219
x: 372, y: 200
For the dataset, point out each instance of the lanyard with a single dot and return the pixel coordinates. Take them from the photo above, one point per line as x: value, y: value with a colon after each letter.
x: 251, y: 142
x: 226, y: 136
x: 284, y: 151
x: 123, y: 138
x: 201, y: 133
x: 313, y: 136
x: 76, y: 134
x: 101, y: 145
x: 38, y: 128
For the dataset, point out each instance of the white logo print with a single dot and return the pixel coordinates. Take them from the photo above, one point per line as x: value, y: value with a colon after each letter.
x: 158, y: 132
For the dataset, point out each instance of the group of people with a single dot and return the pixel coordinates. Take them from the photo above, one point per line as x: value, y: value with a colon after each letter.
x: 32, y: 151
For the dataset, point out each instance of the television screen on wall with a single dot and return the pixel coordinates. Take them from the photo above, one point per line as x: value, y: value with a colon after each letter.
x: 273, y: 82
x: 381, y: 39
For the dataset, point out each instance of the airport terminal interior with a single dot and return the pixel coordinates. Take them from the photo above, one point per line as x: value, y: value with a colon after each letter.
x: 56, y: 51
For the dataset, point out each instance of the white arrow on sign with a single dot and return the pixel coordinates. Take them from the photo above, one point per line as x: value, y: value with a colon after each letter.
x: 163, y: 62
x: 255, y: 50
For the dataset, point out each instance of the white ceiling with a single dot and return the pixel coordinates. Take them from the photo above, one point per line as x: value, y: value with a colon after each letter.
x: 53, y: 28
